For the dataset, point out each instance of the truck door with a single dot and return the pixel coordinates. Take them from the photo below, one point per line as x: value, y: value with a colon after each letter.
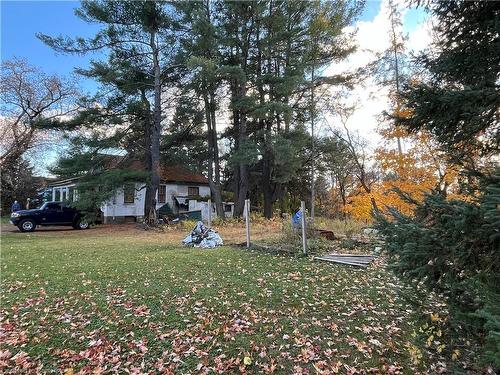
x: 52, y: 213
x: 67, y: 214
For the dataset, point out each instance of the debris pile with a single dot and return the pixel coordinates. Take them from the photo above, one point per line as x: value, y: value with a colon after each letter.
x: 203, y: 236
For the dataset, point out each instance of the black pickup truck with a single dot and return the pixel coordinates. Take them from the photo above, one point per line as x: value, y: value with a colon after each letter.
x: 50, y: 213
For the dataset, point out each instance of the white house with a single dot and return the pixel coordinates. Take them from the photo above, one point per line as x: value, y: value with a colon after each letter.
x: 181, y: 189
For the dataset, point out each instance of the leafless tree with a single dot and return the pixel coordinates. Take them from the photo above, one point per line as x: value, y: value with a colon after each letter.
x: 28, y: 100
x: 357, y: 148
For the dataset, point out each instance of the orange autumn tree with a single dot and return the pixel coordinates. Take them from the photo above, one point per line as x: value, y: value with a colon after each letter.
x: 408, y: 164
x: 413, y: 172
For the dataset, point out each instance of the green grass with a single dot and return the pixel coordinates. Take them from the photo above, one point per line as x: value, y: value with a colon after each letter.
x: 86, y: 302
x: 4, y: 219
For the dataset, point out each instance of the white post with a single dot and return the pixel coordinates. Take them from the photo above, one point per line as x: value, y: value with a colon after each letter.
x: 303, y: 218
x: 209, y: 213
x: 247, y: 220
x: 53, y: 194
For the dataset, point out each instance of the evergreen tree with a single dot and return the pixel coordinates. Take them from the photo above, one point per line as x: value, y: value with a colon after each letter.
x: 269, y: 63
x: 200, y: 49
x: 17, y: 184
x: 140, y: 38
x: 459, y: 98
x: 452, y: 246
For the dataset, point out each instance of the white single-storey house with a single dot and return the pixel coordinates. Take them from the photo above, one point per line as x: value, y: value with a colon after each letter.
x: 183, y: 191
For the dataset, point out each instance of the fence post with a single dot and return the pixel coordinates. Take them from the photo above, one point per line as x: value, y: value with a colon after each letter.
x: 247, y: 220
x: 303, y: 219
x: 209, y: 213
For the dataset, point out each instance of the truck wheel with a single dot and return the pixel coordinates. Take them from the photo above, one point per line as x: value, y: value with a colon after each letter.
x: 27, y: 225
x: 81, y: 224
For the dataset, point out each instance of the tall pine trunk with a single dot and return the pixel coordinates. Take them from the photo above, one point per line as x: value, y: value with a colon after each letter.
x: 155, y: 128
x: 148, y: 201
x: 217, y: 179
x: 213, y: 154
x: 241, y: 177
x: 267, y: 188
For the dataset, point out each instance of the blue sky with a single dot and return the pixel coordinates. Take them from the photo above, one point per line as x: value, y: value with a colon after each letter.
x: 21, y: 20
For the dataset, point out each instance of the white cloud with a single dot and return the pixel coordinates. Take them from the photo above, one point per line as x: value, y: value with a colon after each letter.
x: 421, y: 37
x: 372, y: 38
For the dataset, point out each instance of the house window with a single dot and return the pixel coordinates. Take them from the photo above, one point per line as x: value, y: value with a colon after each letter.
x: 162, y: 194
x: 193, y: 191
x: 128, y: 193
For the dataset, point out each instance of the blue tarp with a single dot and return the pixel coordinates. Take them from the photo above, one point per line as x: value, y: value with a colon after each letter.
x: 297, y: 219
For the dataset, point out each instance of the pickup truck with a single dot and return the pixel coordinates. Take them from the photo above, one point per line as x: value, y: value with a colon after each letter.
x: 50, y: 213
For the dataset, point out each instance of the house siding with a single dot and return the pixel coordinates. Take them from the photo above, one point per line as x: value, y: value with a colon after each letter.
x: 115, y: 211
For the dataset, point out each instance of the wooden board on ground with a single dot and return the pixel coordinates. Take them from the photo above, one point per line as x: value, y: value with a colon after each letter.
x: 349, y: 259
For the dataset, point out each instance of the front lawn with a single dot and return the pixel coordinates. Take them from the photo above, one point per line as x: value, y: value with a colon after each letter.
x: 4, y: 219
x: 134, y: 302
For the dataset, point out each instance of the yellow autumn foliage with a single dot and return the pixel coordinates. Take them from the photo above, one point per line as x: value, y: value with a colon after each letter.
x: 415, y: 171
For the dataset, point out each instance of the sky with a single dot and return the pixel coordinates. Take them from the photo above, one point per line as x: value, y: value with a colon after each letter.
x: 372, y: 37
x: 21, y: 20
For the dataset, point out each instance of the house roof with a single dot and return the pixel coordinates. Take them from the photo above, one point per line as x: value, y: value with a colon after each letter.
x: 41, y: 182
x: 168, y: 173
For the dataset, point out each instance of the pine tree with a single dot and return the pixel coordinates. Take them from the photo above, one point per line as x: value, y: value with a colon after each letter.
x: 452, y: 246
x: 140, y: 38
x: 200, y: 49
x: 459, y: 99
x: 274, y: 61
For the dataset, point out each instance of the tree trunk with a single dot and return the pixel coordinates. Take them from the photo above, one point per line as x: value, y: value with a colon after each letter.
x: 266, y: 185
x: 238, y: 209
x: 313, y: 191
x: 242, y: 181
x: 148, y: 201
x: 213, y: 155
x: 218, y: 187
x: 156, y: 127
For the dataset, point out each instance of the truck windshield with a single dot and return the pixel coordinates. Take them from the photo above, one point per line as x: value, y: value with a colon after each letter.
x: 51, y: 206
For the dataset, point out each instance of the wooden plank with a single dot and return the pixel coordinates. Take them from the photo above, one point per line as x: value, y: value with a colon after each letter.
x: 271, y: 248
x: 354, y: 260
x: 343, y: 262
x: 346, y: 260
x: 351, y: 255
x: 349, y: 261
